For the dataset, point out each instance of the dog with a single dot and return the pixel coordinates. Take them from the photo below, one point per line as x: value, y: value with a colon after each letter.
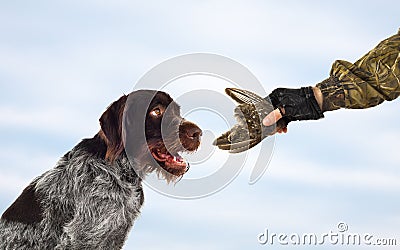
x: 93, y: 195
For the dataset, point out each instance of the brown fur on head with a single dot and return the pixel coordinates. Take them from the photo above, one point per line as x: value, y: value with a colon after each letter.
x: 150, y: 124
x: 111, y: 128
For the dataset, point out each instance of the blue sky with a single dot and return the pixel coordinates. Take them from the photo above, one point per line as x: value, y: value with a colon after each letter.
x: 63, y: 62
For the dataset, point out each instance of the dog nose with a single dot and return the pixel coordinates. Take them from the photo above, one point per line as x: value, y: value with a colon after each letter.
x: 189, y: 135
x: 194, y: 133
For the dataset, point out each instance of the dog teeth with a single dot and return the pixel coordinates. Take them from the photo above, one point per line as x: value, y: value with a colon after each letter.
x: 174, y: 158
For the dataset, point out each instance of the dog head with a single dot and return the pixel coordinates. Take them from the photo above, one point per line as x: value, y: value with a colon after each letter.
x: 147, y: 125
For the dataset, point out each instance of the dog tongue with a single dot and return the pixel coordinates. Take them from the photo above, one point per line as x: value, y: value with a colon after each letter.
x: 172, y: 160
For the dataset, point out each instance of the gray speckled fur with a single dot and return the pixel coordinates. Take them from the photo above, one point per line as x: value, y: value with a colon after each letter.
x: 87, y: 204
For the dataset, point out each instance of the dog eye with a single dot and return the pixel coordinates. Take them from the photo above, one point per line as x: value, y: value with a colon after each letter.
x: 156, y: 112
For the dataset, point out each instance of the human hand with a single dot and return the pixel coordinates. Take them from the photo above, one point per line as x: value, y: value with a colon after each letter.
x: 293, y: 105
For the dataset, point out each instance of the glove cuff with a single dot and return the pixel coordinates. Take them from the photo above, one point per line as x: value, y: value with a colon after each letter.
x: 313, y: 104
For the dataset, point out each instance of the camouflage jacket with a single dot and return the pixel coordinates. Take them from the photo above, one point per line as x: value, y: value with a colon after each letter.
x: 368, y: 82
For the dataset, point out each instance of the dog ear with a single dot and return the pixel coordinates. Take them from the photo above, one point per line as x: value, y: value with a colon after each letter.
x: 134, y: 122
x: 111, y: 128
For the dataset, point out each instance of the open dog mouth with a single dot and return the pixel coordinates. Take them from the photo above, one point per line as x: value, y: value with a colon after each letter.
x: 172, y: 162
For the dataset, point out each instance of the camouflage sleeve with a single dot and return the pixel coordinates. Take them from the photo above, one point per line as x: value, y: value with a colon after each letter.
x: 368, y: 82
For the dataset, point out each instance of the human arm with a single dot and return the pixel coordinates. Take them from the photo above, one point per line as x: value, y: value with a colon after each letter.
x: 368, y: 82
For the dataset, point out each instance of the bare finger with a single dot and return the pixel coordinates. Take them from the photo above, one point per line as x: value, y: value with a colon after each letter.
x: 272, y: 117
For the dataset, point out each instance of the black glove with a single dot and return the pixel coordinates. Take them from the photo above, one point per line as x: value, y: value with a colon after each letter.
x: 296, y: 104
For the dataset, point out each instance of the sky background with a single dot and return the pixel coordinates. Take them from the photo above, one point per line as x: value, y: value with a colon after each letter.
x: 63, y: 62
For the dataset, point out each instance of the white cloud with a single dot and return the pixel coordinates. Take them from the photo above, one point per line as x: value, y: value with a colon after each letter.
x: 343, y: 177
x: 59, y: 120
x: 10, y: 183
